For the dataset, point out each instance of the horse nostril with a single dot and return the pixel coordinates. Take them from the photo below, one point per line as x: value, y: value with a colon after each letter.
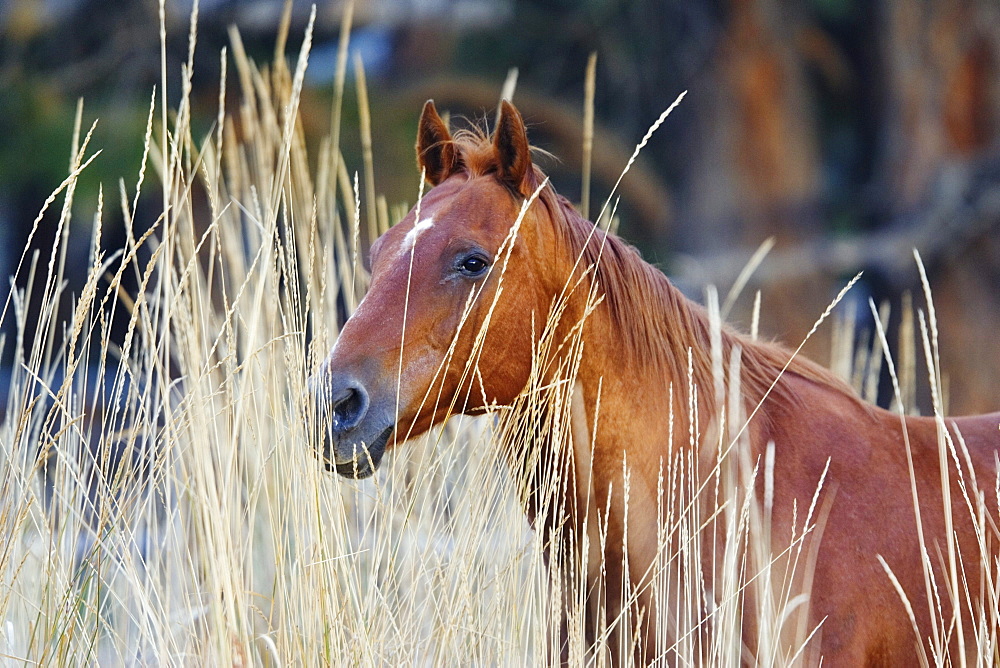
x: 350, y: 403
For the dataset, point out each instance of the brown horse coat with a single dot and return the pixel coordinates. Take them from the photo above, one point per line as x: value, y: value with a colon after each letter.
x: 438, y: 307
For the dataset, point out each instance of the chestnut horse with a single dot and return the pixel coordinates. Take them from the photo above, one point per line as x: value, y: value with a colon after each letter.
x: 401, y: 365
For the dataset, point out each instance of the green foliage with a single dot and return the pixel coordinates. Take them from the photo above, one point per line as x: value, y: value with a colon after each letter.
x: 35, y: 152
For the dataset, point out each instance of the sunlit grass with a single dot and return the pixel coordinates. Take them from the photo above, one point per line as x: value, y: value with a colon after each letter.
x: 161, y: 501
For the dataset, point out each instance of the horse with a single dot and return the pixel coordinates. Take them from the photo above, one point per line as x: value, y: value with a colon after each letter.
x: 492, y: 262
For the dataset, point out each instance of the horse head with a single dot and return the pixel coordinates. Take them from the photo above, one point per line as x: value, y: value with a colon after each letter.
x: 436, y: 334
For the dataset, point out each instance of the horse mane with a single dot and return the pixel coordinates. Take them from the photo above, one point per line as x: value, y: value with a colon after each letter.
x: 657, y: 323
x: 477, y: 156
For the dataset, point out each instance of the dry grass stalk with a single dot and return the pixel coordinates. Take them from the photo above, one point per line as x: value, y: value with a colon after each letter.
x: 162, y: 504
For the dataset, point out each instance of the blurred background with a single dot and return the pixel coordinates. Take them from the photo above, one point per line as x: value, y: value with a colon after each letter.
x: 850, y: 131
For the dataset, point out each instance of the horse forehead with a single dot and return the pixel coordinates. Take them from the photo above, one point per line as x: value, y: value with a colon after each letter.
x: 455, y: 208
x: 478, y: 204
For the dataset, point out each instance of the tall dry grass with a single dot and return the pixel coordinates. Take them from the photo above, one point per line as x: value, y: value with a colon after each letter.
x: 159, y: 495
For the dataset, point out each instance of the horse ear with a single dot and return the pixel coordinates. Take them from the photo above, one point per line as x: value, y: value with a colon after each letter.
x: 436, y: 153
x: 510, y: 141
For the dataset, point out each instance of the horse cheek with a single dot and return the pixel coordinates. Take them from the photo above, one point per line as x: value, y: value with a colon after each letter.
x: 509, y: 347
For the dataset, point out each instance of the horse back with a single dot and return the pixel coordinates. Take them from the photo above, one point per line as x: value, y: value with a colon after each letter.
x: 981, y: 434
x: 869, y: 520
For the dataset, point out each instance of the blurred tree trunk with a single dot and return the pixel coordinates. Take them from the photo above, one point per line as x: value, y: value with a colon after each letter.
x: 758, y: 157
x: 941, y: 88
x: 757, y: 167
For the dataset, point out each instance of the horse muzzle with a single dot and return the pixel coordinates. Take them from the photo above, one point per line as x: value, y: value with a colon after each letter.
x: 348, y: 437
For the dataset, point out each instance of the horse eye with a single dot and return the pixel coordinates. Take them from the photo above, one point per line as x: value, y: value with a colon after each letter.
x: 473, y: 266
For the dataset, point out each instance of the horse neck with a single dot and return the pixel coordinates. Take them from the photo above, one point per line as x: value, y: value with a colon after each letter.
x: 664, y: 392
x: 647, y: 348
x: 654, y: 358
x: 626, y: 380
x: 640, y: 376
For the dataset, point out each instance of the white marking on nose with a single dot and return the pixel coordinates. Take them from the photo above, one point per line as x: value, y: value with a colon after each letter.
x: 411, y: 236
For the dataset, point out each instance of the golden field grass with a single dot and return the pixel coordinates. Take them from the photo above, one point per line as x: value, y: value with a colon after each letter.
x: 159, y: 496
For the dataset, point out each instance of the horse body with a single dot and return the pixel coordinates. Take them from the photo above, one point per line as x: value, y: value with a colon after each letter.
x: 818, y: 425
x: 864, y: 621
x: 642, y: 393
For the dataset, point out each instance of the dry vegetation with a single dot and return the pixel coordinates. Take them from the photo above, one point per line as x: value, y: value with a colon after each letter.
x: 163, y: 506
